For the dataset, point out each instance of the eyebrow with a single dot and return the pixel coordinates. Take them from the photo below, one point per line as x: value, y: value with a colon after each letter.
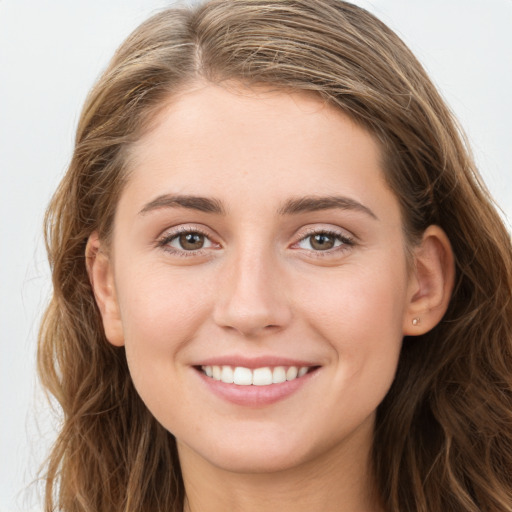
x: 202, y: 204
x: 291, y: 207
x: 314, y: 204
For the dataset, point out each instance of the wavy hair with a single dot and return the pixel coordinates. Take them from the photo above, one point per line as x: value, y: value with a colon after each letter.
x: 443, y: 437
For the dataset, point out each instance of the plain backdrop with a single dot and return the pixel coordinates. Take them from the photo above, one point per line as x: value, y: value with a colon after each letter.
x: 51, y: 51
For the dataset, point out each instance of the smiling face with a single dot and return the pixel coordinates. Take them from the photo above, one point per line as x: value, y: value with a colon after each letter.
x: 256, y: 239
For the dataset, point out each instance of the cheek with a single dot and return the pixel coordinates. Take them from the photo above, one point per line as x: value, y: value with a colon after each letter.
x: 359, y: 312
x: 161, y: 309
x: 161, y: 313
x: 357, y: 299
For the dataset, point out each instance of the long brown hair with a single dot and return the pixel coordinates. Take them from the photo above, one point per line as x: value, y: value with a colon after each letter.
x: 443, y: 438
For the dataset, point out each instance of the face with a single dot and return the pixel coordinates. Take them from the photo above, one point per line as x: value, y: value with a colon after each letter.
x: 256, y: 242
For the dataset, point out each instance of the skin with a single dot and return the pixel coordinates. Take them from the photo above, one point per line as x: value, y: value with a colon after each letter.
x: 259, y: 287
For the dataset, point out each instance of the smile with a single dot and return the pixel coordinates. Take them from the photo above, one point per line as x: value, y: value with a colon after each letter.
x: 264, y: 376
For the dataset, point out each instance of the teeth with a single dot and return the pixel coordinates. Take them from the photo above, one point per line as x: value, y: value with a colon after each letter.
x: 243, y: 376
x: 261, y: 377
x: 226, y: 374
x: 291, y: 373
x: 279, y: 375
x: 257, y: 377
x: 303, y: 371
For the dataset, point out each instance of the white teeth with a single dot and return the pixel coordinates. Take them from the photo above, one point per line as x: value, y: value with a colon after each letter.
x: 291, y: 373
x: 257, y: 377
x: 261, y: 376
x: 279, y: 375
x: 242, y: 376
x: 227, y: 374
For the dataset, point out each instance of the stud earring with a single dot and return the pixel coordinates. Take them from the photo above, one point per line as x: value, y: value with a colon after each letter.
x: 416, y: 321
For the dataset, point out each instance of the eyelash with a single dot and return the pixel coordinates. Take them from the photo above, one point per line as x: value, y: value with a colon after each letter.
x: 346, y: 242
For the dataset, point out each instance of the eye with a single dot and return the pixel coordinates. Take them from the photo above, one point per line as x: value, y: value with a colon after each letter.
x: 324, y: 241
x: 190, y: 240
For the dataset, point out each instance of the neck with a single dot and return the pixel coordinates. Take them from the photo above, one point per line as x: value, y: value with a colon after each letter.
x: 338, y: 480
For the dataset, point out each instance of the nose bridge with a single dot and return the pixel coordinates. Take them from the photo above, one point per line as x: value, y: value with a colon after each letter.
x: 252, y: 297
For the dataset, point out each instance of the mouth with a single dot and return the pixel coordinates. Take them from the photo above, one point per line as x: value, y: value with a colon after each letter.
x: 264, y: 376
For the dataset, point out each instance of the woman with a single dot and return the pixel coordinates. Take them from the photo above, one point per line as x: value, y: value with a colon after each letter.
x: 278, y: 279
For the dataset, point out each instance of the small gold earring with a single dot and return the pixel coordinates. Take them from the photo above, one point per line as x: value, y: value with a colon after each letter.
x: 416, y: 321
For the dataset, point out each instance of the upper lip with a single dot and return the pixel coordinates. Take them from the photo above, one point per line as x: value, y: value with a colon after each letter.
x: 254, y: 362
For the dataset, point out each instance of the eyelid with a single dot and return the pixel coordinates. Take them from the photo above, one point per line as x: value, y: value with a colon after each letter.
x: 327, y: 229
x: 183, y: 228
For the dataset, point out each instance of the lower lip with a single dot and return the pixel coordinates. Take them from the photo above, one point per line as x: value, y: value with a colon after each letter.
x: 255, y: 396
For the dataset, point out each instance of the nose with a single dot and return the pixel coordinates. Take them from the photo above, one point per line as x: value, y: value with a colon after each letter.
x: 251, y: 297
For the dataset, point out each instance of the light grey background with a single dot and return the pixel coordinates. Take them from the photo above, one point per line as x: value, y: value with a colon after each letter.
x: 50, y: 54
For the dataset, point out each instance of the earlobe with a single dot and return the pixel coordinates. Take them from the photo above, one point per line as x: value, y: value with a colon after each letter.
x: 101, y: 276
x: 431, y: 284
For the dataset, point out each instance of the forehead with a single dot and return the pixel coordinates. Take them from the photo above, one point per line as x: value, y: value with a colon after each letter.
x: 233, y: 117
x: 222, y: 141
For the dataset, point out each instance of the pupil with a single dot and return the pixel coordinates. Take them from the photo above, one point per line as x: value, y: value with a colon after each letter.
x: 322, y: 242
x: 191, y: 241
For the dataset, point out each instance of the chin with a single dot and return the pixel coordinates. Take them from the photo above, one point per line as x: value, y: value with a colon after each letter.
x: 255, y: 457
x: 257, y: 462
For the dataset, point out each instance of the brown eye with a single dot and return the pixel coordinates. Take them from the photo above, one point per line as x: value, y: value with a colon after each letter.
x: 186, y: 241
x: 191, y: 241
x: 322, y: 241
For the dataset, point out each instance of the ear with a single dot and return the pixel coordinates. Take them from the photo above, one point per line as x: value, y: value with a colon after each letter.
x: 431, y: 282
x: 101, y: 276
